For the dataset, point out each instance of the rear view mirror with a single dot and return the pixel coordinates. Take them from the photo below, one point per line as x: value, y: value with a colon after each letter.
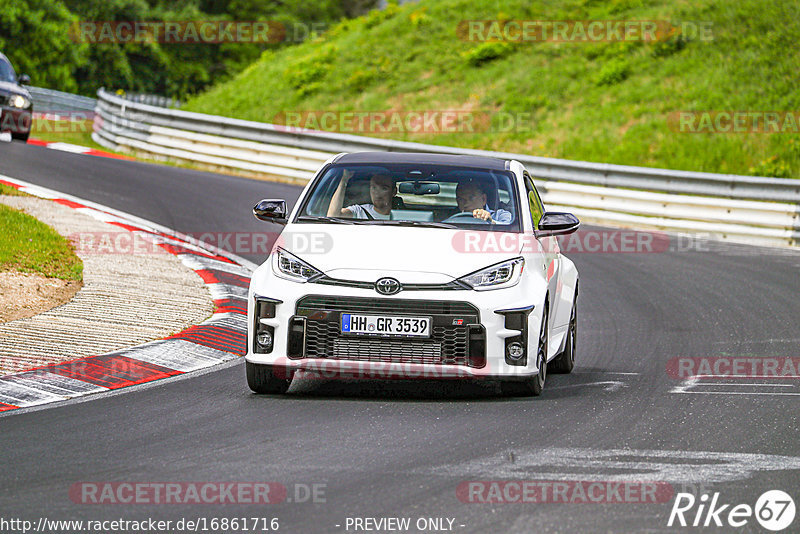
x: 557, y: 223
x: 271, y: 211
x: 418, y: 188
x: 24, y: 79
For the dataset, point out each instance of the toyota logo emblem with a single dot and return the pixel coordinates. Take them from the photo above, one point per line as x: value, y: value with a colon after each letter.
x: 388, y: 286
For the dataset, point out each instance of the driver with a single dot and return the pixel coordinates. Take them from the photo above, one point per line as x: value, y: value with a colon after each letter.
x: 471, y: 197
x: 381, y: 191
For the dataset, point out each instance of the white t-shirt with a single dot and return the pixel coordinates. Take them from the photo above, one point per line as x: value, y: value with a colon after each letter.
x: 360, y: 211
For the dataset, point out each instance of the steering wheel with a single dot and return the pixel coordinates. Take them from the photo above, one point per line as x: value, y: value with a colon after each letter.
x: 462, y: 218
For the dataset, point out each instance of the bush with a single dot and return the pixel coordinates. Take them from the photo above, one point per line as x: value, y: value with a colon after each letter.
x: 419, y: 18
x: 308, y: 71
x: 773, y: 167
x: 669, y: 46
x: 486, y: 52
x: 361, y: 79
x: 613, y: 72
x: 378, y: 16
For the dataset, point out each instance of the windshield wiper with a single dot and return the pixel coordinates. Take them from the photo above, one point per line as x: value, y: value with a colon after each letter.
x: 342, y: 220
x: 424, y: 224
x: 317, y: 218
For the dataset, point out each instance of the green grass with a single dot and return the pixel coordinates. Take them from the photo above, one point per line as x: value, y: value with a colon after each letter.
x: 30, y: 246
x: 606, y: 102
x: 74, y: 132
x: 11, y: 191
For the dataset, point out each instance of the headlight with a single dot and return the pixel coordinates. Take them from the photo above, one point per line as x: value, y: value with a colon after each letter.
x: 497, y: 276
x: 293, y: 268
x: 19, y: 101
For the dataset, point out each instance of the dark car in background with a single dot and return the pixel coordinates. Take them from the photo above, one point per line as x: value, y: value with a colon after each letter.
x: 16, y: 106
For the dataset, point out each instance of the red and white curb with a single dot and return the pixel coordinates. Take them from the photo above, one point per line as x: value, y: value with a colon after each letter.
x: 220, y: 338
x: 76, y: 149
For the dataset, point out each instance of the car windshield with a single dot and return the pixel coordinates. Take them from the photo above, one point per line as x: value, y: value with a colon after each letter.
x: 7, y: 72
x: 414, y: 195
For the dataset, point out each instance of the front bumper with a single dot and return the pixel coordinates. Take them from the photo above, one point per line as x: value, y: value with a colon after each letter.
x: 453, y: 351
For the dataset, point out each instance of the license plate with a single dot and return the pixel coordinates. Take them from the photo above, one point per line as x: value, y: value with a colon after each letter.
x: 386, y: 325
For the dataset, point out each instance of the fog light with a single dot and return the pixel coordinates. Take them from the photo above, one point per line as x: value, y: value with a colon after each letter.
x: 515, y: 350
x: 264, y: 339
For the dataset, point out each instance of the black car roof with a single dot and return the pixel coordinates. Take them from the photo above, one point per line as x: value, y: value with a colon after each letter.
x: 422, y: 158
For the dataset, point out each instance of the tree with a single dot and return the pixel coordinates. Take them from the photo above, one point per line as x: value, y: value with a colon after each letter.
x: 35, y: 36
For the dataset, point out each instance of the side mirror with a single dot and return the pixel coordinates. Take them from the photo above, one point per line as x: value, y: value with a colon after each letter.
x: 271, y: 211
x: 557, y: 223
x: 24, y: 79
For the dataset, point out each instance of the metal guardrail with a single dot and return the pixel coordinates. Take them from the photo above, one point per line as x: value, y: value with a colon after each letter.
x: 51, y: 101
x: 740, y: 208
x: 152, y: 100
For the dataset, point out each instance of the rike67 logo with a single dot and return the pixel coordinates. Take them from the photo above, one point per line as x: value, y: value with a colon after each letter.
x: 774, y: 510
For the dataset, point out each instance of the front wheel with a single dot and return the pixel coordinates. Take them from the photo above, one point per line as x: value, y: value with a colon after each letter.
x: 267, y: 379
x: 533, y: 386
x: 565, y: 362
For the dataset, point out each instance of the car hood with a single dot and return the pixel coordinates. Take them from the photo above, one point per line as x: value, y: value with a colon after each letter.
x: 11, y: 88
x: 412, y: 255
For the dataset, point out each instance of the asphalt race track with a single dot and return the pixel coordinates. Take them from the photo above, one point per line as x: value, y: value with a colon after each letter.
x: 382, y: 449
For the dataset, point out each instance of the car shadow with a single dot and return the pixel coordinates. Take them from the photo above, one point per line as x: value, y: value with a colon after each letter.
x: 311, y: 386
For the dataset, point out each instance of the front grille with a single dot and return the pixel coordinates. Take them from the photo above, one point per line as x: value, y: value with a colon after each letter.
x: 377, y: 306
x: 387, y: 350
x: 445, y: 346
x: 448, y: 344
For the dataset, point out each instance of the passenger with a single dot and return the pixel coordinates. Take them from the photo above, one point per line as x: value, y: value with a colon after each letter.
x: 382, y: 190
x: 471, y: 197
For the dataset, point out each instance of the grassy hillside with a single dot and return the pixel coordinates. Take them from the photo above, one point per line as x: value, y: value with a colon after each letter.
x: 606, y: 102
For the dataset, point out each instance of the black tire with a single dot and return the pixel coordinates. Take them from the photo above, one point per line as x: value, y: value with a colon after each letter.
x: 565, y: 362
x: 20, y: 137
x: 263, y: 379
x: 533, y: 386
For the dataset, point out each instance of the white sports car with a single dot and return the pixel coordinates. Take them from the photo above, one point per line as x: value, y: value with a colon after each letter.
x: 418, y: 266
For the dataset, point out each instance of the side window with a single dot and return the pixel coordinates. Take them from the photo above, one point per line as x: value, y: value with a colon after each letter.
x: 537, y: 208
